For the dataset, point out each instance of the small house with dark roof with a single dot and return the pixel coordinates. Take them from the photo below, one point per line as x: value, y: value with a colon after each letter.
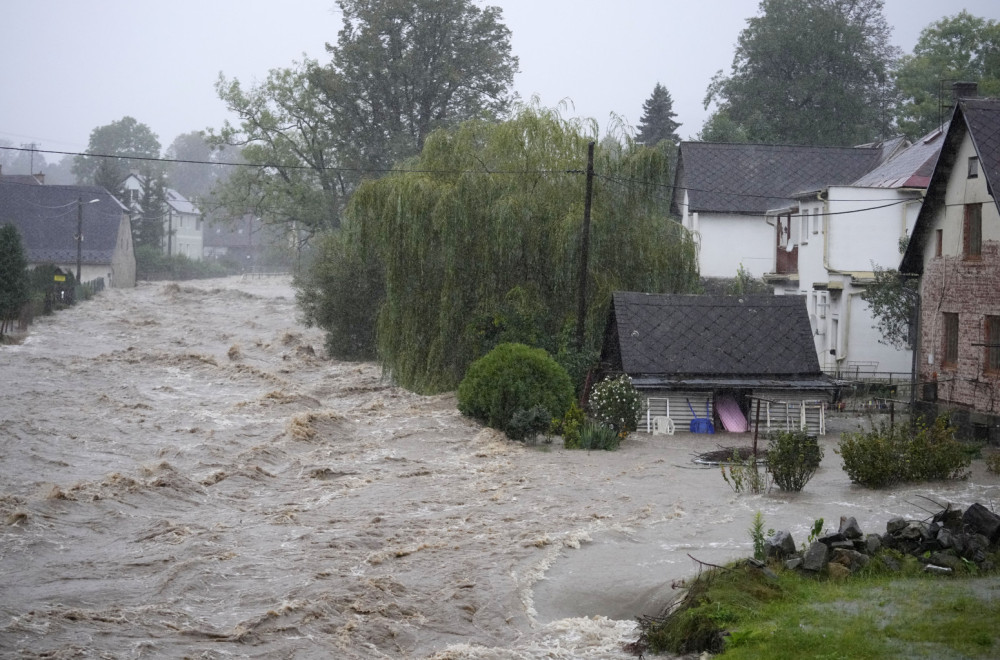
x: 955, y: 251
x: 695, y: 356
x: 829, y: 241
x: 723, y: 192
x: 50, y: 219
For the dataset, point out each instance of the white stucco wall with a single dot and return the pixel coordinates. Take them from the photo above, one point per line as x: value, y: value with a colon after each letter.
x: 728, y: 241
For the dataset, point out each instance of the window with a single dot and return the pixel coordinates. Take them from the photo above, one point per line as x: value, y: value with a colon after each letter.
x: 991, y: 335
x: 803, y: 227
x: 938, y: 242
x: 973, y: 167
x: 950, y: 348
x: 972, y: 233
x: 815, y: 221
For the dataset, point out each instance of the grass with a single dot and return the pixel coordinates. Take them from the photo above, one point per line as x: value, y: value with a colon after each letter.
x: 874, y: 614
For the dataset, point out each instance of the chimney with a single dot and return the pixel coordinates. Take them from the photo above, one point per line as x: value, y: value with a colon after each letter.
x: 964, y: 90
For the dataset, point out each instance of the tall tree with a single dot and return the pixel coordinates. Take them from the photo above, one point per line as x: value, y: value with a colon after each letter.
x: 810, y: 72
x: 482, y: 244
x: 13, y: 276
x: 196, y: 172
x: 128, y: 141
x: 148, y: 218
x: 956, y: 48
x: 657, y: 122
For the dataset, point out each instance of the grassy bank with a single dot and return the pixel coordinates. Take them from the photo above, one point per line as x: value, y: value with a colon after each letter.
x: 745, y: 612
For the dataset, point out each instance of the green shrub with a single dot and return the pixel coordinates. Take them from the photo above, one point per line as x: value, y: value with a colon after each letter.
x: 745, y: 474
x: 525, y: 425
x: 887, y: 455
x: 993, y: 463
x: 569, y: 426
x: 792, y: 459
x: 615, y: 402
x: 510, y: 378
x: 599, y: 436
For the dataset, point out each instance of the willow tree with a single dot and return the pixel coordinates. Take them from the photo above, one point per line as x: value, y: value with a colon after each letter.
x: 481, y: 235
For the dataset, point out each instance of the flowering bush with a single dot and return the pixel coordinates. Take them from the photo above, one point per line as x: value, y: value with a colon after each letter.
x: 615, y: 403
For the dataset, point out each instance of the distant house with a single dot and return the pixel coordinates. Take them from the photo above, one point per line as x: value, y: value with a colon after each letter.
x: 182, y: 221
x: 955, y: 251
x: 724, y: 191
x: 49, y: 220
x: 827, y: 242
x: 687, y: 352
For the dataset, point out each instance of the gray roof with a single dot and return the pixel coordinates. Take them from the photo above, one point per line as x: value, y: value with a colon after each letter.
x: 912, y: 168
x: 980, y: 118
x: 731, y: 339
x: 750, y: 179
x: 46, y: 219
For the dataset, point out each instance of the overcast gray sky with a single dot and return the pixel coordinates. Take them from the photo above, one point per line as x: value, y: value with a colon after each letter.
x: 69, y: 66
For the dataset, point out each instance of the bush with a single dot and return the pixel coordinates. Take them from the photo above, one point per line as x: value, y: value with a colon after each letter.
x: 525, y: 425
x: 569, y: 426
x: 512, y: 378
x: 599, y: 436
x: 743, y: 474
x: 887, y: 455
x: 993, y: 463
x: 792, y: 459
x: 615, y: 402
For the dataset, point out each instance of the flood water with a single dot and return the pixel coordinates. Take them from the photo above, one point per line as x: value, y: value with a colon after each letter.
x: 184, y: 474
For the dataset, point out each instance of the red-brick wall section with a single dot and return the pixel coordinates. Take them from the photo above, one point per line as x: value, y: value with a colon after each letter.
x: 972, y: 290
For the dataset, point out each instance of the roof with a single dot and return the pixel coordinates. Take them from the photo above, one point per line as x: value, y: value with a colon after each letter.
x: 752, y: 178
x: 912, y: 168
x: 174, y: 199
x: 980, y: 119
x: 46, y: 218
x: 720, y: 338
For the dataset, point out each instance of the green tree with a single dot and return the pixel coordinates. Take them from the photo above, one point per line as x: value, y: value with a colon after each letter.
x: 129, y: 141
x: 147, y: 225
x: 197, y: 171
x: 657, y: 122
x: 809, y: 72
x: 962, y: 47
x: 892, y: 299
x: 486, y: 230
x: 13, y: 277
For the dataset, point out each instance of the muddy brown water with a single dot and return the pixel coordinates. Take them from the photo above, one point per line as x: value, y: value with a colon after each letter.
x: 183, y: 474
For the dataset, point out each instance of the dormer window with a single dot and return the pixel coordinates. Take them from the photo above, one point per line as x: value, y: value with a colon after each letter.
x: 973, y: 167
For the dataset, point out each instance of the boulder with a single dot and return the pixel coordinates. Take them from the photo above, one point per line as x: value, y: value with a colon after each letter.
x: 815, y: 557
x: 849, y: 528
x: 895, y: 525
x: 983, y: 521
x: 780, y: 545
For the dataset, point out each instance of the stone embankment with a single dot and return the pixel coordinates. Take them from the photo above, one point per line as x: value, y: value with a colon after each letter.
x: 950, y: 541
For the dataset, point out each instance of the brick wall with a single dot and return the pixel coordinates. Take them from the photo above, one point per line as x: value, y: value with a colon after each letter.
x: 972, y: 290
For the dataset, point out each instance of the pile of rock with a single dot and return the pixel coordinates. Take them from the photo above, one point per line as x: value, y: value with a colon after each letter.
x: 945, y: 543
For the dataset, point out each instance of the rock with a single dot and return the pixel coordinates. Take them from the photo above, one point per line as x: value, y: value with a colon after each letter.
x: 931, y: 568
x: 793, y: 563
x: 946, y: 559
x: 838, y: 571
x: 830, y: 539
x: 873, y: 543
x: 983, y: 521
x: 849, y: 528
x: 913, y: 531
x: 895, y: 525
x: 779, y: 545
x: 850, y: 559
x: 891, y: 563
x: 945, y: 539
x: 815, y: 557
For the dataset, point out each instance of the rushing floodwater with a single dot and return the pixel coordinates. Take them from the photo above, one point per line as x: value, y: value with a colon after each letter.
x: 182, y: 474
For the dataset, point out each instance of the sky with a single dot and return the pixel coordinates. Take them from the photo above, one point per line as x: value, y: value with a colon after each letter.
x: 69, y: 66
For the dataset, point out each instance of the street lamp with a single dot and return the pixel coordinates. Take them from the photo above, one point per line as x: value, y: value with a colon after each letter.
x: 79, y: 233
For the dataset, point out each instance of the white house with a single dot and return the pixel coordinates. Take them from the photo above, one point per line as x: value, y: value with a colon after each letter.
x: 723, y: 193
x: 838, y: 235
x: 183, y: 231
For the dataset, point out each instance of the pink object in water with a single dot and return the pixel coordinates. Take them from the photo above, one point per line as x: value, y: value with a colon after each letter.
x: 732, y: 417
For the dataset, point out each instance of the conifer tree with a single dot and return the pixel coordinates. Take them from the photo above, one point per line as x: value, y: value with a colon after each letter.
x: 657, y: 123
x: 13, y: 276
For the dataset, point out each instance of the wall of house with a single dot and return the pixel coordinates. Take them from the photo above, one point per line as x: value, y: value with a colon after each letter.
x: 728, y: 241
x: 969, y: 288
x: 188, y: 237
x: 123, y: 259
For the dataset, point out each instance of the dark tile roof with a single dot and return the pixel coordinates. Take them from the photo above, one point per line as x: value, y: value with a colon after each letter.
x: 753, y: 178
x: 675, y: 336
x: 46, y: 218
x: 980, y: 119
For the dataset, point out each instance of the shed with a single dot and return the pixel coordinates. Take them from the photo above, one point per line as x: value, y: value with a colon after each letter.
x: 689, y: 355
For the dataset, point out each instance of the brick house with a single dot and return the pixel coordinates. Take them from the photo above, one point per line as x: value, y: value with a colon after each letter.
x: 955, y: 250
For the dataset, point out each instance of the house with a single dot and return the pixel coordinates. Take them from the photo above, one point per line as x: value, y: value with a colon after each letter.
x: 183, y: 233
x: 724, y: 191
x: 79, y: 229
x: 955, y: 251
x: 827, y: 243
x: 693, y: 355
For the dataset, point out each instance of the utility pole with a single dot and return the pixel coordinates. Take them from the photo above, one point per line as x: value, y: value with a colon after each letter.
x: 79, y: 237
x: 581, y: 313
x: 170, y: 231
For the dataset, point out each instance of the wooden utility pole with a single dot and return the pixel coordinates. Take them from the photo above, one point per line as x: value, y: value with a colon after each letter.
x: 79, y: 236
x: 581, y: 313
